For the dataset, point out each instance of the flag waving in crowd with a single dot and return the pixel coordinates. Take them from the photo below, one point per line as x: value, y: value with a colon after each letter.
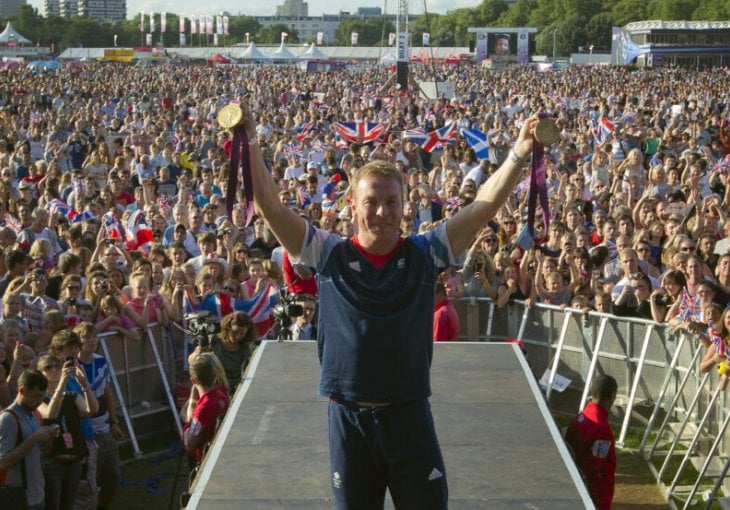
x: 259, y: 307
x: 477, y: 141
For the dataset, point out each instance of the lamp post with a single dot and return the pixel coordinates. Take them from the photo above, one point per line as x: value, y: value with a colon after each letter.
x: 555, y: 32
x: 590, y: 54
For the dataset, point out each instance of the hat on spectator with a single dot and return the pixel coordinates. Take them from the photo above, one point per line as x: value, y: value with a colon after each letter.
x: 24, y: 185
x: 303, y: 178
x: 609, y: 279
x: 312, y: 165
x: 335, y: 178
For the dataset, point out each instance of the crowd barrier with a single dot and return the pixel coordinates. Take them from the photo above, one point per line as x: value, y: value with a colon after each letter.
x: 662, y: 397
x: 144, y: 375
x: 663, y: 400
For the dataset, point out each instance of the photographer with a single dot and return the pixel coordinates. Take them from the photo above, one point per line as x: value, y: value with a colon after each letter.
x: 233, y: 346
x: 21, y: 440
x: 304, y: 328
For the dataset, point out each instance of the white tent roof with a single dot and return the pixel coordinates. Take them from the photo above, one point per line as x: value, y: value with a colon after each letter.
x: 313, y: 53
x: 10, y: 34
x: 282, y: 53
x: 252, y: 53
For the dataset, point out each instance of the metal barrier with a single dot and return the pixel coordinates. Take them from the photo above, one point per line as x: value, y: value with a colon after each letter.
x: 143, y: 378
x: 657, y: 373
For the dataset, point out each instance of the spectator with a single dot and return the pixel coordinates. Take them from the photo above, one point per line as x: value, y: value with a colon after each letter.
x: 233, y: 347
x: 208, y: 403
x: 304, y: 327
x: 445, y: 319
x: 591, y: 440
x: 22, y: 439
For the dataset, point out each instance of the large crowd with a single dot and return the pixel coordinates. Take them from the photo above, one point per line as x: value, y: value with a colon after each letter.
x: 112, y: 216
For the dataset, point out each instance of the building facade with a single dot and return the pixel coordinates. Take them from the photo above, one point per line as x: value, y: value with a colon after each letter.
x: 697, y: 44
x: 10, y: 8
x: 102, y: 11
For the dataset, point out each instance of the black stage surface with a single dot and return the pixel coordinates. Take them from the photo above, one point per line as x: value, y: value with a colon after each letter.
x: 501, y: 448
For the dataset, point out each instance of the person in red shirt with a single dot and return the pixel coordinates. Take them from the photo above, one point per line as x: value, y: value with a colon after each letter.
x: 212, y: 402
x: 445, y: 319
x: 590, y: 437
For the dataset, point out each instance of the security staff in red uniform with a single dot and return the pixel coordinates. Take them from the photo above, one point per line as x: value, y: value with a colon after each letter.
x: 591, y: 439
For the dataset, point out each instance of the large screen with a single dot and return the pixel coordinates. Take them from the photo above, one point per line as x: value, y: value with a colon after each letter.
x: 502, y: 47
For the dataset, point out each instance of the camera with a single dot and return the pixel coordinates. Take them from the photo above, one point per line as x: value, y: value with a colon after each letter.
x: 663, y: 300
x: 202, y: 329
x: 71, y: 301
x: 284, y: 312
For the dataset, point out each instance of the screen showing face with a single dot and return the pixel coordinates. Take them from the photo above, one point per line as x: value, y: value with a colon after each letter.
x: 503, y: 47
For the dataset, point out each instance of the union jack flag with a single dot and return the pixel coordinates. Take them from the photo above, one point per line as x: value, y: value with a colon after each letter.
x: 259, y: 307
x: 139, y: 234
x: 291, y: 150
x: 14, y: 223
x: 58, y: 206
x: 601, y: 129
x: 305, y: 129
x: 690, y: 308
x: 359, y: 132
x: 417, y: 136
x: 112, y: 226
x: 440, y: 137
x: 340, y: 143
x: 35, y: 117
x: 85, y: 215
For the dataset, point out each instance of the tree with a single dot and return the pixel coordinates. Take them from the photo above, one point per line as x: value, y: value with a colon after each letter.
x: 29, y: 23
x: 487, y: 12
x: 369, y: 31
x: 239, y: 26
x: 711, y: 10
x: 516, y: 16
x: 626, y: 11
x: 673, y: 10
x: 598, y: 32
x: 272, y: 34
x: 85, y: 32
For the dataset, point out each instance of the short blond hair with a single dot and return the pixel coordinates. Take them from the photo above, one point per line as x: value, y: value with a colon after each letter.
x: 377, y: 167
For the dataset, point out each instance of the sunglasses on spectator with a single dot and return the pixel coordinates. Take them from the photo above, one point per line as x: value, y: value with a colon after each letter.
x: 74, y: 287
x: 229, y: 289
x: 490, y: 239
x: 54, y: 366
x: 686, y: 248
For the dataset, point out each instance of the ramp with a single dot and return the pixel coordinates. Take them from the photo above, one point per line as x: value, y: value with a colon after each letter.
x: 500, y: 445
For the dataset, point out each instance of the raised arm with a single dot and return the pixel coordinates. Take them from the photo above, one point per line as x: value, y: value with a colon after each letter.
x: 286, y: 225
x: 466, y: 223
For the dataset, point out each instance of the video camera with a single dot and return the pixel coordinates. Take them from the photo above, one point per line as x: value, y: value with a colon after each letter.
x: 202, y: 329
x: 286, y: 310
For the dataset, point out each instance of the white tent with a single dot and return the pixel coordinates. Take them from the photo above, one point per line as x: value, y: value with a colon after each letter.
x: 282, y: 53
x: 313, y: 53
x: 388, y: 58
x: 252, y: 53
x: 10, y: 35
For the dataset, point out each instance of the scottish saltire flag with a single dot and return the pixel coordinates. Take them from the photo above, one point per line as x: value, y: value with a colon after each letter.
x: 417, y: 136
x: 139, y: 233
x: 112, y: 226
x: 601, y: 129
x: 259, y: 307
x: 353, y: 131
x: 477, y: 141
x: 440, y: 137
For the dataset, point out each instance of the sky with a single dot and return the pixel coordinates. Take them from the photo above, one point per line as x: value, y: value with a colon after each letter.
x: 268, y: 7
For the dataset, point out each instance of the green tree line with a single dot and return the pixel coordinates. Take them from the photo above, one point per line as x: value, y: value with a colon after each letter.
x: 572, y: 24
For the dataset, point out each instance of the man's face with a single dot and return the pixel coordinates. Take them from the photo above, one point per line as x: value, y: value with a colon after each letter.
x: 629, y: 263
x: 378, y: 209
x: 501, y: 47
x: 30, y: 399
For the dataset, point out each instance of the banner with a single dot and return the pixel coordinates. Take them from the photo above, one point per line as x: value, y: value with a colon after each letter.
x: 193, y: 25
x: 209, y: 25
x: 183, y: 42
x: 391, y: 39
x: 353, y: 38
x: 320, y: 38
x: 152, y: 23
x: 401, y: 52
x: 284, y: 35
x: 182, y: 24
x: 481, y: 50
x: 148, y: 40
x: 202, y: 24
x: 426, y: 39
x: 225, y: 25
x: 163, y: 22
x: 141, y: 21
x: 215, y: 39
x: 219, y: 25
x: 523, y: 49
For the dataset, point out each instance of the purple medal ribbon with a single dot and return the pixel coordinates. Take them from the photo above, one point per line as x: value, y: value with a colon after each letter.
x: 240, y: 158
x: 538, y: 188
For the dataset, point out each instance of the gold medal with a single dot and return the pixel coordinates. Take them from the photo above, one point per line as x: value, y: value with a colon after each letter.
x: 230, y: 116
x: 547, y: 132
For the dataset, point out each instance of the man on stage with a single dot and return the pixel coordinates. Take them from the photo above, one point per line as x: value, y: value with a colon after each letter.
x: 375, y: 325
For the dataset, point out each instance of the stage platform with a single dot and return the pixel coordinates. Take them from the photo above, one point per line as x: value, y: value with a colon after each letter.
x: 502, y: 450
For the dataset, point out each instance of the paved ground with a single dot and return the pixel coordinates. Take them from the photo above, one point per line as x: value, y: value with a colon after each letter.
x: 501, y: 448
